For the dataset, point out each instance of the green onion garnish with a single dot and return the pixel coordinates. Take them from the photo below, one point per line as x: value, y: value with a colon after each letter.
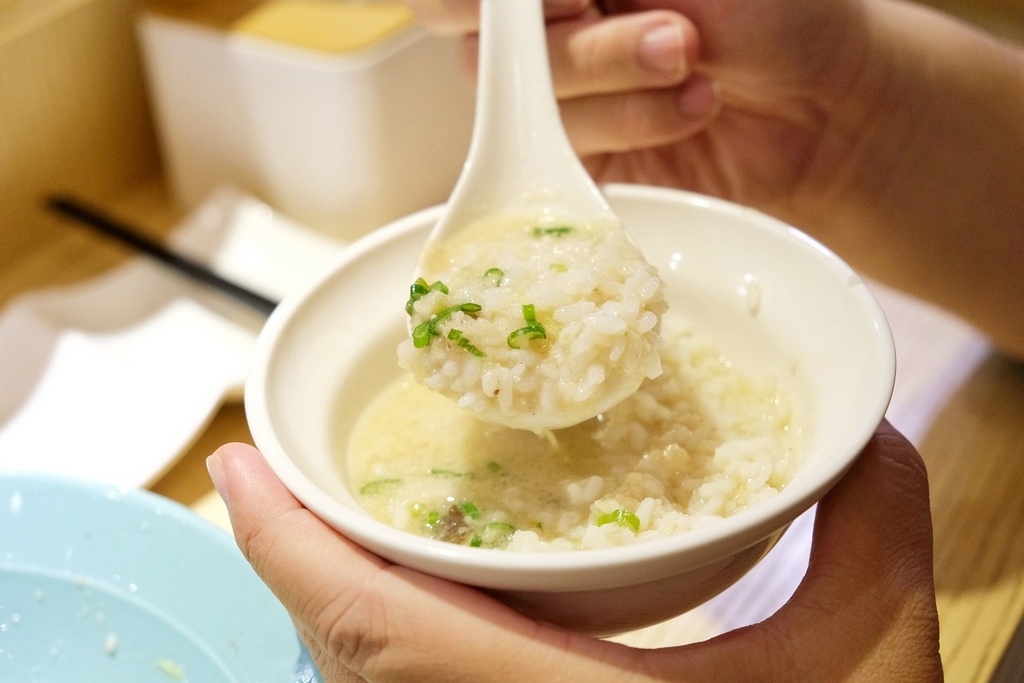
x: 532, y: 330
x: 494, y: 275
x: 620, y: 517
x: 457, y: 337
x: 516, y: 339
x: 445, y: 473
x: 372, y: 488
x: 420, y: 289
x: 424, y: 332
x: 470, y: 509
x: 497, y: 533
x: 421, y: 334
x: 554, y: 230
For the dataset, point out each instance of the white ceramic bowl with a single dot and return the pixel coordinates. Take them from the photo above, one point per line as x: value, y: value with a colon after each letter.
x: 769, y: 296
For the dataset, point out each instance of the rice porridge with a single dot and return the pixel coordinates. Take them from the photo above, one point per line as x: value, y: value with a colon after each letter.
x: 535, y: 324
x: 697, y: 443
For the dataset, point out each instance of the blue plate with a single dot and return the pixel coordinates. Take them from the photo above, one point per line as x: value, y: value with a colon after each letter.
x: 100, y: 584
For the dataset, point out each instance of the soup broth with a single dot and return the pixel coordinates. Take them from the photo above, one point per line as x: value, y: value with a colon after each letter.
x: 698, y: 443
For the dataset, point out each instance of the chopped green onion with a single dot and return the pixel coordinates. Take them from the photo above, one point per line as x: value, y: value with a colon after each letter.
x: 424, y: 332
x: 457, y: 337
x: 445, y: 473
x: 476, y: 542
x: 420, y: 289
x: 470, y: 509
x: 532, y: 330
x: 497, y: 533
x: 527, y: 333
x: 377, y: 486
x: 494, y: 275
x: 620, y: 517
x: 421, y: 334
x: 554, y: 230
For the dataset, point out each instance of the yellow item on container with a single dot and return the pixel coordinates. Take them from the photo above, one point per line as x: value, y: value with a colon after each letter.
x: 216, y: 14
x: 331, y: 26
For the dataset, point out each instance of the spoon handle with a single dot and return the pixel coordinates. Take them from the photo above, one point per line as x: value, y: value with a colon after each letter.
x: 519, y: 152
x: 517, y: 98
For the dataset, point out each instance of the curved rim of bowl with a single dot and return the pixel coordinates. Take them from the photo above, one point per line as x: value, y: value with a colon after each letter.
x: 130, y: 498
x: 740, y: 530
x: 98, y: 554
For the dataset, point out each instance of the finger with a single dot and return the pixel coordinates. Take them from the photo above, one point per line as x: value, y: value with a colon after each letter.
x: 872, y: 555
x: 330, y: 668
x: 874, y: 527
x: 315, y: 573
x: 460, y: 17
x: 871, y: 561
x: 590, y: 56
x: 621, y: 53
x: 295, y: 554
x: 641, y: 119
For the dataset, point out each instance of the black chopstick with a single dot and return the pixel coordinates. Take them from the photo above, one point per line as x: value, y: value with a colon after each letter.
x: 130, y: 236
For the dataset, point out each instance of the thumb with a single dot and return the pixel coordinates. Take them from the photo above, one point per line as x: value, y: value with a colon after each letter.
x: 293, y: 552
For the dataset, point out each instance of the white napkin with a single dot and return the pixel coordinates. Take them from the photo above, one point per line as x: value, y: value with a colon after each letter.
x: 112, y: 379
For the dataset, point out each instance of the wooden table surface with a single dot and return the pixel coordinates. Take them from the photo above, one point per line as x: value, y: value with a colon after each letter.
x: 962, y: 405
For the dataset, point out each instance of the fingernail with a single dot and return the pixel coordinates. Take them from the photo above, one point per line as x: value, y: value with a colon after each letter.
x: 661, y: 49
x: 216, y: 469
x: 698, y: 98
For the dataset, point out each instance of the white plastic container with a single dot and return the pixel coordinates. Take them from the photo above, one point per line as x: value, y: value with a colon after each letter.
x: 343, y: 142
